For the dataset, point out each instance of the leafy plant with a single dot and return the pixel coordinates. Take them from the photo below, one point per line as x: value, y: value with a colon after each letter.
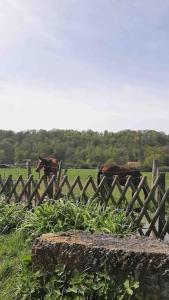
x: 73, y: 285
x: 11, y: 215
x: 65, y: 215
x: 12, y: 249
x: 17, y: 279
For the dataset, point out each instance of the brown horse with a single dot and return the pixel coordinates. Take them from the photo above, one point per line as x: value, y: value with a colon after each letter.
x: 109, y: 171
x: 49, y: 165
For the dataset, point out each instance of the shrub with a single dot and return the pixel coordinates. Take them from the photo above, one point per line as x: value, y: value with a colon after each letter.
x: 72, y: 285
x: 64, y: 215
x: 11, y: 215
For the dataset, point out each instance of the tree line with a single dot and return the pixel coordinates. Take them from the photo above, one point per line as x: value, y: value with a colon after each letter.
x: 85, y: 149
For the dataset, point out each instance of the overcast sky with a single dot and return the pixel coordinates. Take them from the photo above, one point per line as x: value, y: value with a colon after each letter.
x: 84, y: 64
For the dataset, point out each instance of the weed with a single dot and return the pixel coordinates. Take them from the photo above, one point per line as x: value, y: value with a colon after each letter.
x: 65, y: 215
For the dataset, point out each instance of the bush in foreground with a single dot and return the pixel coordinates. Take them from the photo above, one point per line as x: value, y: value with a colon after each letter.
x: 17, y: 279
x: 66, y: 215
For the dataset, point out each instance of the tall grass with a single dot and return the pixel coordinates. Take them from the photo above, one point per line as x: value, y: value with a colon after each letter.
x: 11, y: 215
x: 18, y: 230
x: 13, y: 249
x: 64, y: 215
x: 72, y: 174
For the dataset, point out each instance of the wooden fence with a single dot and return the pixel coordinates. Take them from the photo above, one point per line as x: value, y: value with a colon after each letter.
x: 150, y: 214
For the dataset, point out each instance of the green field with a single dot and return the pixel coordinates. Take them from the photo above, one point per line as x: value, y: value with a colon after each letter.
x: 72, y: 174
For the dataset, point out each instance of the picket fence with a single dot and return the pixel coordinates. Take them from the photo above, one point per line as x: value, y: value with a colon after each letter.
x: 150, y: 214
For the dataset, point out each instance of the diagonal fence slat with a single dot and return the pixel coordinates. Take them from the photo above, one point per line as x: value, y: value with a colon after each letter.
x: 148, y: 199
x: 1, y: 182
x: 157, y: 212
x: 48, y: 190
x: 14, y: 191
x: 84, y: 188
x: 25, y: 187
x: 136, y: 196
x: 124, y: 191
x: 141, y: 203
x: 146, y: 211
x: 100, y: 192
x: 6, y: 186
x: 35, y: 192
x: 110, y: 192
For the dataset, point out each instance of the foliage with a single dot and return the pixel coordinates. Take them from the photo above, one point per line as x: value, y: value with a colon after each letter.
x: 63, y: 215
x: 11, y: 215
x: 86, y: 148
x: 19, y: 281
x: 73, y: 285
x: 17, y: 278
x: 12, y: 249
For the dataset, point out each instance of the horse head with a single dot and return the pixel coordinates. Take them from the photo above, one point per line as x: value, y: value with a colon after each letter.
x: 49, y: 165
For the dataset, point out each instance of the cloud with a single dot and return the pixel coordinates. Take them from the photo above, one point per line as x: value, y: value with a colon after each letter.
x: 84, y: 65
x: 28, y: 106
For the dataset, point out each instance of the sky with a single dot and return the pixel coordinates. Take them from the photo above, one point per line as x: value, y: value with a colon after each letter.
x: 84, y: 64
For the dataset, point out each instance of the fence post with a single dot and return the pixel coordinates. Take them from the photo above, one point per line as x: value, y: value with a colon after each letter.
x: 59, y: 172
x: 154, y: 170
x: 160, y: 192
x: 57, y: 189
x: 8, y: 187
x: 28, y: 164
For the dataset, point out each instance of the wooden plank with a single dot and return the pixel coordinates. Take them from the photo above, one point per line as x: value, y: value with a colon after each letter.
x: 84, y: 188
x: 131, y: 213
x: 157, y: 213
x: 24, y: 191
x: 47, y: 190
x: 35, y: 192
x: 136, y: 195
x: 124, y: 191
x: 13, y: 191
x: 35, y: 186
x: 93, y: 184
x: 100, y: 188
x: 73, y: 187
x: 148, y: 199
x: 109, y: 195
x: 165, y: 229
x: 160, y: 193
x: 154, y: 171
x: 1, y: 182
x: 59, y: 191
x: 147, y: 216
x: 58, y: 178
x: 153, y: 194
x: 120, y: 191
x: 5, y: 189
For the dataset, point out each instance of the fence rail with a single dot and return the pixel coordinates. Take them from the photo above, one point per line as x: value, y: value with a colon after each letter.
x: 150, y: 213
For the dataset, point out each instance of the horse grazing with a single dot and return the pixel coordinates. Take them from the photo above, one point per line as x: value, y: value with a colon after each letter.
x: 111, y: 170
x: 49, y: 165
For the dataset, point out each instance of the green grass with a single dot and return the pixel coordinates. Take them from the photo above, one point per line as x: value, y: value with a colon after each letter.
x: 72, y: 174
x: 65, y: 215
x: 13, y: 249
x: 18, y: 281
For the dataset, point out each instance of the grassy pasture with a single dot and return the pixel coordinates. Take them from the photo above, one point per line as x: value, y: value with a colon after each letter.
x: 72, y: 174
